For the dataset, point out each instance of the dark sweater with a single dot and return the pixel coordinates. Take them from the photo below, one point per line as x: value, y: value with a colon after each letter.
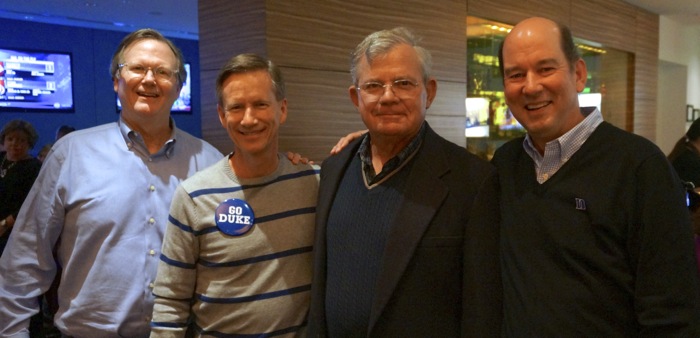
x: 603, y: 248
x: 14, y: 188
x: 358, y: 227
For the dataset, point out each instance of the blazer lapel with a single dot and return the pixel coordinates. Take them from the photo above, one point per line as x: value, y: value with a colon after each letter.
x: 423, y: 196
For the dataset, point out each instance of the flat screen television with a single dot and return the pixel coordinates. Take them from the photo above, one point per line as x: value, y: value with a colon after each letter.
x: 38, y: 81
x: 183, y: 104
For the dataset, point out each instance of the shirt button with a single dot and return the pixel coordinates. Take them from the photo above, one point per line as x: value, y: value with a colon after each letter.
x: 151, y: 285
x: 545, y: 176
x: 152, y: 252
x: 152, y: 188
x: 151, y: 221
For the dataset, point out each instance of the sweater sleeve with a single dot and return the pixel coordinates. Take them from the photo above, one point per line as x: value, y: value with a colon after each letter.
x: 177, y: 274
x: 667, y: 289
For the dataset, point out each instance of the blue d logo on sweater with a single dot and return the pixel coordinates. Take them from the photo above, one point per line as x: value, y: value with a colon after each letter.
x: 234, y: 217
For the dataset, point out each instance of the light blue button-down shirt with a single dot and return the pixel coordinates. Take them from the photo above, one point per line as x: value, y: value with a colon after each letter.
x: 104, y: 201
x: 559, y: 151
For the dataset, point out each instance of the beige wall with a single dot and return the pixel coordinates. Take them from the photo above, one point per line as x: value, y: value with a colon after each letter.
x: 311, y: 41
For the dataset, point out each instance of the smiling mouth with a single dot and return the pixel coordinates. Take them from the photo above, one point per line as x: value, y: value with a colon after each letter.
x: 149, y: 95
x: 250, y: 132
x: 537, y: 106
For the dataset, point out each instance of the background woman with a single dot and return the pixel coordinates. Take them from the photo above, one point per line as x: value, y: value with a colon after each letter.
x: 685, y: 158
x: 18, y: 170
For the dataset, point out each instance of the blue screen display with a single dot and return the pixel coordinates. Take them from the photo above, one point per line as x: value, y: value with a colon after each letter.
x: 35, y: 81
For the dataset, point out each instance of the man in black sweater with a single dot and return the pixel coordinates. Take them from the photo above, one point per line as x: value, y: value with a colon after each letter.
x: 596, y: 240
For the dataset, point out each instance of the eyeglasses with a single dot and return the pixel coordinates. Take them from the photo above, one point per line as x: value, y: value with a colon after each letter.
x: 403, y: 88
x: 139, y: 71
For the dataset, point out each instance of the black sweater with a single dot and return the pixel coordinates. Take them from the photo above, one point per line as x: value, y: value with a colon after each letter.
x: 603, y: 248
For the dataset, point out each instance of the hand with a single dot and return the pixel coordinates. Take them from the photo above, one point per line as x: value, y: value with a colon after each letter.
x: 298, y: 159
x: 345, y: 140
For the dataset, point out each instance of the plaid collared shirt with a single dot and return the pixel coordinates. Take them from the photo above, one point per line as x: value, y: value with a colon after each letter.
x: 391, y: 166
x: 559, y: 151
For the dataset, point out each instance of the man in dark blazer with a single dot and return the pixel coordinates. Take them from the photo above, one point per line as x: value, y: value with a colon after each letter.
x: 407, y: 233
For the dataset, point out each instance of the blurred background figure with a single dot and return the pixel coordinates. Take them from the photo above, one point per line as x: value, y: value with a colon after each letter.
x: 685, y: 155
x: 685, y: 158
x: 41, y: 155
x: 18, y: 170
x: 60, y: 132
x: 63, y: 131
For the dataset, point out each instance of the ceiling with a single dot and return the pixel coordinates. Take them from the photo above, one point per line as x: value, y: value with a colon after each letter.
x: 178, y: 18
x: 174, y: 18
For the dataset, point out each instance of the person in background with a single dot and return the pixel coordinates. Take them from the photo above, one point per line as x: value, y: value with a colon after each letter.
x: 237, y: 253
x: 60, y: 132
x: 63, y: 131
x: 685, y: 155
x: 595, y: 235
x: 406, y: 231
x: 43, y: 152
x: 18, y: 170
x: 101, y: 201
x: 685, y: 158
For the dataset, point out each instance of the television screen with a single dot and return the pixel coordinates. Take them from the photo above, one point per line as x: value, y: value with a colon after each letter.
x: 35, y: 81
x: 183, y: 104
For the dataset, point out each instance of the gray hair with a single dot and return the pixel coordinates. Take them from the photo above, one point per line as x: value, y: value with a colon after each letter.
x: 381, y: 42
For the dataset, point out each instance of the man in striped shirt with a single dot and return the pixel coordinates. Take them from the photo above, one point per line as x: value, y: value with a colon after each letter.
x: 236, y: 257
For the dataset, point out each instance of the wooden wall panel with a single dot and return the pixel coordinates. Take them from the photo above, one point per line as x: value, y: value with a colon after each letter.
x: 513, y: 11
x: 646, y: 73
x: 321, y: 34
x: 212, y: 131
x: 319, y: 111
x: 611, y: 23
x: 228, y: 28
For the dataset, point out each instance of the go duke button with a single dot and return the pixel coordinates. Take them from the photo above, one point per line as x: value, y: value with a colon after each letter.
x: 234, y: 217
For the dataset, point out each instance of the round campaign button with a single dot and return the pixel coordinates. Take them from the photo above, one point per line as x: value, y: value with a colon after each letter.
x: 234, y: 217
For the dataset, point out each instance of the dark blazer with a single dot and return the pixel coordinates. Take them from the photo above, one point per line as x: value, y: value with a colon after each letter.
x: 440, y: 273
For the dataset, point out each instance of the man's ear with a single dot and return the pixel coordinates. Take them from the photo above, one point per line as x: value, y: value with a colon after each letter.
x: 354, y: 95
x: 581, y: 73
x: 222, y: 115
x: 431, y: 92
x: 283, y: 111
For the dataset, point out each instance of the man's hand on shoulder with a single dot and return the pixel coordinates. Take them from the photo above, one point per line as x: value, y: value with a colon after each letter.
x: 345, y: 140
x: 296, y: 158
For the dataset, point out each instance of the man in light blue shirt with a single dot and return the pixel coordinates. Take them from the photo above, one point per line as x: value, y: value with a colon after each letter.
x: 101, y: 200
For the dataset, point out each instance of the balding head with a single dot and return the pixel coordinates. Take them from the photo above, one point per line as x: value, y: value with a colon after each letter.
x: 537, y: 26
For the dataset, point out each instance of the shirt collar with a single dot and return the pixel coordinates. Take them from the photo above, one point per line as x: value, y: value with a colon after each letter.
x: 134, y: 140
x: 571, y: 141
x: 396, y: 162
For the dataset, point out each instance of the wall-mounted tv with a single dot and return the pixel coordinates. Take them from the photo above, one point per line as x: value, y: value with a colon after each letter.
x: 183, y: 104
x: 35, y: 81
